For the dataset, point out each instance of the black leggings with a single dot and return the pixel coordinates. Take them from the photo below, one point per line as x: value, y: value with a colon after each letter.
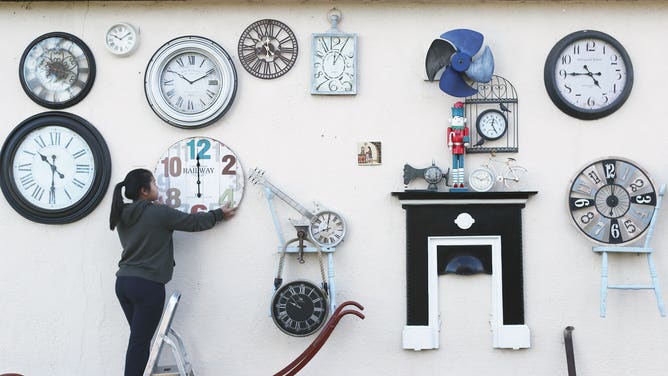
x: 142, y: 302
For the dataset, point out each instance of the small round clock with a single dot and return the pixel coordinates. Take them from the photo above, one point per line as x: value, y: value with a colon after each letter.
x: 481, y: 179
x: 122, y: 39
x: 267, y: 49
x: 327, y: 228
x: 57, y: 70
x: 588, y: 74
x: 492, y: 124
x: 190, y: 82
x: 199, y: 174
x: 299, y: 308
x: 55, y: 168
x: 612, y: 201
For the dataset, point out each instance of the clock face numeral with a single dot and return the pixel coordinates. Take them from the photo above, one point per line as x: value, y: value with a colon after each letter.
x: 334, y: 64
x: 57, y: 70
x: 588, y: 74
x: 267, y: 49
x: 190, y: 82
x: 199, y: 174
x: 299, y: 308
x: 612, y: 201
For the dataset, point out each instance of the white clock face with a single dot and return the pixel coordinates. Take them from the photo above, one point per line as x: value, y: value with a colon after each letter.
x: 334, y: 64
x: 190, y: 82
x: 481, y: 180
x: 492, y: 124
x: 122, y: 39
x: 199, y: 174
x: 53, y: 167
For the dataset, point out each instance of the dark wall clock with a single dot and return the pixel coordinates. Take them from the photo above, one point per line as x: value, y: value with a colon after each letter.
x: 588, y: 74
x: 190, y: 82
x: 267, y: 49
x: 57, y: 70
x: 55, y: 168
x: 299, y: 308
x: 612, y: 201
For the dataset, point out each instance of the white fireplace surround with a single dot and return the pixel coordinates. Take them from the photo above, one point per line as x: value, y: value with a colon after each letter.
x: 420, y: 337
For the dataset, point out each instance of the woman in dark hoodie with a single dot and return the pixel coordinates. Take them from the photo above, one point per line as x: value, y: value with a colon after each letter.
x: 145, y: 229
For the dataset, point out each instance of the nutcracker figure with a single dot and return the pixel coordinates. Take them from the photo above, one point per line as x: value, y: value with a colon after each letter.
x: 458, y: 140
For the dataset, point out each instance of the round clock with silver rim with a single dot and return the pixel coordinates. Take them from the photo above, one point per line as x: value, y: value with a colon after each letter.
x: 481, y: 179
x: 190, y: 82
x: 612, y: 201
x: 199, y: 174
x: 57, y: 70
x: 122, y: 39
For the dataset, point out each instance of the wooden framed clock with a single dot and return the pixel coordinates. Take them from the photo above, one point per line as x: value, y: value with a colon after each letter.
x: 268, y: 49
x: 55, y: 168
x: 190, y: 82
x: 199, y: 174
x: 588, y: 74
x: 57, y: 70
x: 612, y: 201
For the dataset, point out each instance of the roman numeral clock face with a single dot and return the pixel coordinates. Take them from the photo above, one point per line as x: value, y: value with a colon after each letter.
x: 190, y: 82
x: 55, y: 168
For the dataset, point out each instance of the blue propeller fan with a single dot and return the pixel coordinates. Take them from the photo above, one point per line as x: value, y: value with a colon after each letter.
x: 454, y: 50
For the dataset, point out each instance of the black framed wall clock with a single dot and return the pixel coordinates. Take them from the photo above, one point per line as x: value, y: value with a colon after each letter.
x: 612, y: 200
x: 268, y: 49
x: 199, y: 174
x: 299, y: 308
x: 55, y: 168
x: 190, y: 82
x: 588, y: 74
x: 57, y: 70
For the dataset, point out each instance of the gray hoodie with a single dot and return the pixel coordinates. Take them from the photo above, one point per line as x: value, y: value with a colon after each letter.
x: 145, y: 230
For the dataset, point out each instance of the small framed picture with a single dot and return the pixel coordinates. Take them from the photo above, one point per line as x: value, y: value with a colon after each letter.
x: 369, y: 153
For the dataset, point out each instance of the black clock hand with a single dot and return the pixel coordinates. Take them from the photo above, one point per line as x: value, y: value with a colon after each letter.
x: 199, y: 193
x: 54, y: 169
x: 590, y: 74
x: 180, y: 75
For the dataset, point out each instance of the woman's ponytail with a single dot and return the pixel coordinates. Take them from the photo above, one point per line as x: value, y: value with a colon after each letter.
x: 134, y: 182
x: 116, y: 206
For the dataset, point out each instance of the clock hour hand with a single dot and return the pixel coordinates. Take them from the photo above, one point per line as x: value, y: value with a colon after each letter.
x: 180, y: 75
x: 590, y: 74
x: 199, y: 193
x: 54, y: 169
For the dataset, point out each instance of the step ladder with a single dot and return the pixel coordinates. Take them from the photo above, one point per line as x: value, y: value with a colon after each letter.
x: 167, y: 335
x: 646, y: 249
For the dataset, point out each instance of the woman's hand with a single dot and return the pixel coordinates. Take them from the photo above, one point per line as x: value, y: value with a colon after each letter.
x: 228, y: 211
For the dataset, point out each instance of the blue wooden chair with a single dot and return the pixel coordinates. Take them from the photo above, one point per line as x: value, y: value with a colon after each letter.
x: 647, y: 250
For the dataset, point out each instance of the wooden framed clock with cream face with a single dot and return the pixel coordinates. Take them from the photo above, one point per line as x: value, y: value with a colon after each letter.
x: 190, y: 82
x: 334, y: 60
x: 199, y: 174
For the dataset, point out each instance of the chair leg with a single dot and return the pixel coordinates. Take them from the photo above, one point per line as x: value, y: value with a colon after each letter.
x: 655, y: 284
x: 604, y: 282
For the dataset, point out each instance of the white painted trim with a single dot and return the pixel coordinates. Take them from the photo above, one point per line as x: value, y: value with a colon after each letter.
x: 504, y: 336
x: 464, y: 201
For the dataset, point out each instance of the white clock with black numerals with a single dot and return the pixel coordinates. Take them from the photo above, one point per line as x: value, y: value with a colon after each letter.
x: 199, y: 174
x: 190, y: 82
x: 55, y: 168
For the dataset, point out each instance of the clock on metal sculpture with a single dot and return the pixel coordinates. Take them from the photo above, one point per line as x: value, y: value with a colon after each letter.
x: 57, y: 70
x: 491, y: 124
x: 612, y: 201
x: 299, y: 308
x: 433, y: 175
x: 267, y: 49
x: 199, y: 174
x: 334, y: 60
x: 588, y: 74
x: 55, y: 168
x: 190, y: 82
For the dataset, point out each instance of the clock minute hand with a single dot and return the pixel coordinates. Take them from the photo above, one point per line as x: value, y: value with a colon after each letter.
x: 180, y: 75
x: 54, y: 169
x: 199, y: 193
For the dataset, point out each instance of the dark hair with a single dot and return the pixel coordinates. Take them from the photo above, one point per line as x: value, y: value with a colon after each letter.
x: 134, y: 181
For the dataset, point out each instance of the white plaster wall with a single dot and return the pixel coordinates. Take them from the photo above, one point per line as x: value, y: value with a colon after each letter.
x: 60, y: 316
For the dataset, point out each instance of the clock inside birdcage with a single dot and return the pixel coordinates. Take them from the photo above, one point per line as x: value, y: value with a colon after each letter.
x: 492, y: 115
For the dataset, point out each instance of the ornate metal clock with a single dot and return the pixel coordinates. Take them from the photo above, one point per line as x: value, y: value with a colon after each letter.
x: 267, y: 49
x: 334, y: 60
x: 588, y: 74
x: 55, y: 168
x: 57, y: 70
x: 199, y: 174
x: 612, y: 201
x: 190, y: 82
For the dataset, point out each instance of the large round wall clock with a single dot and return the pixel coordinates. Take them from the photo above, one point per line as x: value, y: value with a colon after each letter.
x: 588, y: 74
x: 55, y: 168
x: 299, y: 308
x: 612, y: 201
x: 267, y: 49
x: 190, y: 82
x: 199, y: 174
x: 57, y: 70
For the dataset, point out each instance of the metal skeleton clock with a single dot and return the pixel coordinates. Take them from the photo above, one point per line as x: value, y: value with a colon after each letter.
x: 199, y: 174
x: 612, y: 201
x: 334, y: 60
x: 267, y: 49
